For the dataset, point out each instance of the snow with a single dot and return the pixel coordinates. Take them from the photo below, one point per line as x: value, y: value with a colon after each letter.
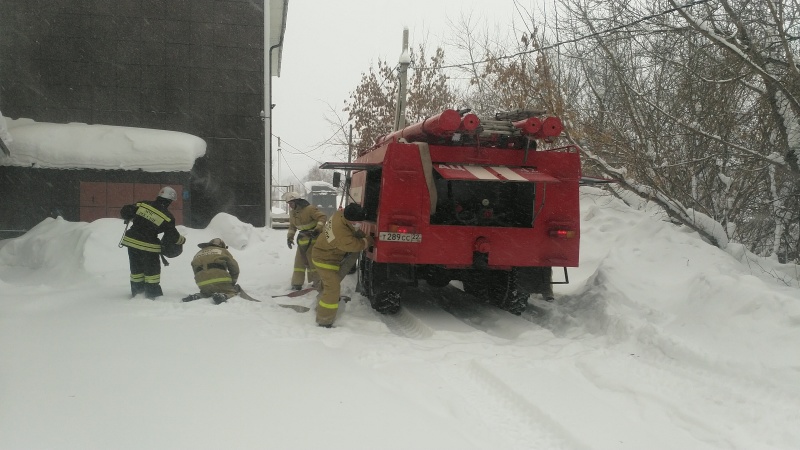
x: 659, y: 341
x: 4, y: 134
x: 82, y: 146
x: 309, y: 185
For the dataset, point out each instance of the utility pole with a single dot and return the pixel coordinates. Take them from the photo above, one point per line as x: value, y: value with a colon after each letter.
x: 402, y: 76
x: 267, y: 117
x: 278, y: 166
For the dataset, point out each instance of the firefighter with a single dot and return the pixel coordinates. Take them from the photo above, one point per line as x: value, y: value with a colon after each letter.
x: 337, y: 240
x: 215, y: 272
x: 309, y: 220
x: 149, y: 219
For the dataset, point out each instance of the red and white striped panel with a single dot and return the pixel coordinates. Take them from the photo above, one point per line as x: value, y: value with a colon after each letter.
x: 491, y: 173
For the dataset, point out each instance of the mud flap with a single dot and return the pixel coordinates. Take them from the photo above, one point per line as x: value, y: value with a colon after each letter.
x: 535, y: 280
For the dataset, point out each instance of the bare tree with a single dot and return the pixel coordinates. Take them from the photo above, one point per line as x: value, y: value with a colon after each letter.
x: 317, y: 174
x: 695, y: 108
x: 371, y: 106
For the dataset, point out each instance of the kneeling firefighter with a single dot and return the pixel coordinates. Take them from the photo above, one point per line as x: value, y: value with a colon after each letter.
x: 215, y: 272
x: 338, y: 238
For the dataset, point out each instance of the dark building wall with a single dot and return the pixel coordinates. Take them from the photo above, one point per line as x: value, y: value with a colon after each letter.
x: 194, y: 66
x: 30, y: 195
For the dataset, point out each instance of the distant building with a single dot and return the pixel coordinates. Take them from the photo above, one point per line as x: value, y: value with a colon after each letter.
x: 195, y: 67
x: 87, y: 172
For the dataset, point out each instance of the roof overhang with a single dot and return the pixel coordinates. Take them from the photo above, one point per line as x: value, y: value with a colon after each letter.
x: 350, y: 166
x: 492, y: 173
x: 277, y: 28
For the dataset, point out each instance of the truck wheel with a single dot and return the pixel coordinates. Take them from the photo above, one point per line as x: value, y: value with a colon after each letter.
x: 360, y: 286
x: 499, y: 288
x: 364, y: 274
x: 386, y: 302
x: 376, y: 287
x: 516, y: 302
x: 506, y: 294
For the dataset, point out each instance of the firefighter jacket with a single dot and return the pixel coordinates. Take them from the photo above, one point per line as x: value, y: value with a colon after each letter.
x: 308, y: 220
x: 212, y: 265
x: 338, y: 238
x: 149, y: 219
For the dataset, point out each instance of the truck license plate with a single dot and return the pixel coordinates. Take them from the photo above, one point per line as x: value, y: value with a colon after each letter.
x: 399, y: 237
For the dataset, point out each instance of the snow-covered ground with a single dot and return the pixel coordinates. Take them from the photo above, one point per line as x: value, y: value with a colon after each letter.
x: 660, y: 341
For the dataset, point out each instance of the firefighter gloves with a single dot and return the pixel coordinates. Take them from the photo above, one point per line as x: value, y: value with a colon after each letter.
x: 289, y: 243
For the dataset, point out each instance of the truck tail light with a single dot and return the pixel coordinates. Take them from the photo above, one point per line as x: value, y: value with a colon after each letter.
x: 563, y: 234
x: 401, y: 229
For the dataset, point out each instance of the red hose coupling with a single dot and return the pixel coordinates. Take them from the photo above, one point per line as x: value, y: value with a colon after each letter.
x: 482, y: 245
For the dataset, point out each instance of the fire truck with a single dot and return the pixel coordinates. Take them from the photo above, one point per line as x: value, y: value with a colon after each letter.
x: 491, y: 203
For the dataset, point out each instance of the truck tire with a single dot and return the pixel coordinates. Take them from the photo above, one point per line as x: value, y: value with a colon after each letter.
x: 386, y: 302
x: 383, y: 296
x: 499, y: 288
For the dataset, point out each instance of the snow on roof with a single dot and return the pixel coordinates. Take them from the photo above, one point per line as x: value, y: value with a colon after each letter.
x: 82, y: 146
x: 309, y: 185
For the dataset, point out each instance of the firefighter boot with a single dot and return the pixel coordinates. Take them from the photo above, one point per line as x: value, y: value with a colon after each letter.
x: 152, y: 290
x: 137, y: 287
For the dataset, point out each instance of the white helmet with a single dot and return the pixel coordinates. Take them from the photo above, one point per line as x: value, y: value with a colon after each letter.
x: 294, y: 195
x: 168, y: 193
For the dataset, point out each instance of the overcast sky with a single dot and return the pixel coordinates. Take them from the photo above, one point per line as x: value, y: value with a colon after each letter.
x: 328, y: 45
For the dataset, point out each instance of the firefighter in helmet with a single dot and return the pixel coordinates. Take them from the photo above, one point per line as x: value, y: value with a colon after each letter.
x: 308, y: 220
x: 149, y: 219
x: 215, y: 272
x: 338, y: 239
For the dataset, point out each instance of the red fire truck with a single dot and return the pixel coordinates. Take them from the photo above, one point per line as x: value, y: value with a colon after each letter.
x: 489, y: 202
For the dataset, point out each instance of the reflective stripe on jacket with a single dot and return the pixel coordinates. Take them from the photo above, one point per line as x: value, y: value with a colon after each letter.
x: 337, y: 239
x: 148, y: 220
x: 307, y: 218
x: 214, y: 265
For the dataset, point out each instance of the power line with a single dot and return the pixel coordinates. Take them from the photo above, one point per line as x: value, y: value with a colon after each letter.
x: 577, y: 39
x: 328, y: 140
x: 290, y: 170
x: 514, y: 55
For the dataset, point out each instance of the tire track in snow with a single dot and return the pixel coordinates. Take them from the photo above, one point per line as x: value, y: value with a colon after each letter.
x: 405, y: 324
x: 478, y: 315
x: 503, y: 413
x: 703, y: 400
x: 426, y: 311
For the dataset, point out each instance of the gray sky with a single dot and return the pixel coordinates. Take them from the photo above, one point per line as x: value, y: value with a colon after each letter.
x: 328, y: 45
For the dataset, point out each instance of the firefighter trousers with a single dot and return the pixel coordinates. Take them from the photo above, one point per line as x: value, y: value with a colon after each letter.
x: 145, y: 273
x: 328, y: 304
x: 331, y: 288
x: 302, y: 264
